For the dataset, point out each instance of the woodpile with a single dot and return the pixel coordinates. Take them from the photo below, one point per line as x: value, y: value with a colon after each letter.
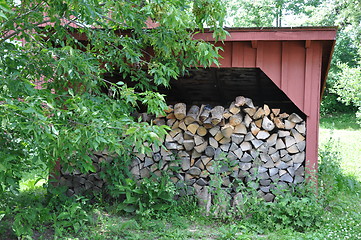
x: 263, y: 145
x: 78, y: 183
x: 260, y: 146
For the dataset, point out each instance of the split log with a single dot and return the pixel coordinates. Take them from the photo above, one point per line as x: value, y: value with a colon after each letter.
x: 271, y: 141
x: 284, y: 133
x: 192, y: 115
x: 188, y: 135
x: 240, y: 129
x: 225, y: 140
x: 198, y: 140
x: 218, y: 136
x: 295, y: 118
x: 210, y: 151
x: 276, y: 111
x: 182, y: 125
x: 301, y: 128
x: 213, y: 131
x: 227, y: 114
x: 204, y: 113
x: 298, y: 137
x: 258, y: 123
x: 250, y: 111
x: 193, y: 127
x: 280, y: 144
x: 247, y: 120
x: 266, y: 109
x: 208, y: 123
x: 175, y: 125
x: 180, y: 111
x: 236, y: 138
x: 289, y: 125
x: 174, y: 132
x: 245, y: 146
x: 240, y: 101
x: 170, y: 116
x: 284, y: 115
x: 258, y: 114
x: 289, y: 140
x: 262, y: 135
x: 217, y: 114
x: 170, y: 122
x: 201, y: 131
x: 267, y: 124
x: 254, y: 129
x: 213, y: 142
x: 227, y: 130
x: 233, y: 109
x: 188, y: 144
x: 249, y: 136
x: 235, y: 119
x: 278, y: 122
x: 202, y: 147
x: 179, y: 138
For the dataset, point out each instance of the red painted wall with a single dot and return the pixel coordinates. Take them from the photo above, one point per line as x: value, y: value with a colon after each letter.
x: 294, y: 67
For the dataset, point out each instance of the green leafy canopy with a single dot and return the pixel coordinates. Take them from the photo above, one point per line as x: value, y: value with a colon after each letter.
x: 53, y: 57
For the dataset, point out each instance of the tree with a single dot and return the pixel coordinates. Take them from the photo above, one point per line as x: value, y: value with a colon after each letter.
x: 70, y: 116
x: 266, y: 13
x: 343, y: 79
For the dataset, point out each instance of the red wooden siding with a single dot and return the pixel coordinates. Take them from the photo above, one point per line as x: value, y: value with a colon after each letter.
x: 297, y: 61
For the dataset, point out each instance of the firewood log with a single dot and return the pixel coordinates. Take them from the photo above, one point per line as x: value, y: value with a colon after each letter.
x: 191, y: 115
x: 201, y: 131
x: 233, y: 109
x: 217, y: 114
x: 235, y: 119
x: 193, y: 127
x: 180, y: 111
x: 227, y: 130
x: 267, y: 124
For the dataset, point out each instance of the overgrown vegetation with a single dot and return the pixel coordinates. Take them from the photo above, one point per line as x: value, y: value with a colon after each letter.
x: 334, y: 213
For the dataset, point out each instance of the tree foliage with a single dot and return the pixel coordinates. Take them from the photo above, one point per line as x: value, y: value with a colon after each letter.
x: 266, y: 13
x: 69, y: 115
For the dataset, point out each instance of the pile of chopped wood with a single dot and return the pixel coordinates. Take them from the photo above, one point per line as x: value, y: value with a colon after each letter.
x: 256, y: 144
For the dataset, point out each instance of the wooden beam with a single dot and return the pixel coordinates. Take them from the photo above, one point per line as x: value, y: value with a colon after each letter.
x: 307, y: 43
x: 254, y: 44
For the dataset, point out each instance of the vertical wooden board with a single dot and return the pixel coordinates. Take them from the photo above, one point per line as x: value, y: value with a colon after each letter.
x: 238, y: 54
x: 307, y: 103
x: 249, y: 55
x: 226, y: 55
x: 272, y: 53
x: 259, y: 57
x: 313, y: 118
x: 293, y: 75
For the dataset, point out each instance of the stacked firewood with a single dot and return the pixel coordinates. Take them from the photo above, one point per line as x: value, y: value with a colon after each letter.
x: 78, y: 183
x: 263, y: 145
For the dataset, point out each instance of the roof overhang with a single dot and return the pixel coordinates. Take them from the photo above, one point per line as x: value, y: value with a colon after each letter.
x: 327, y: 35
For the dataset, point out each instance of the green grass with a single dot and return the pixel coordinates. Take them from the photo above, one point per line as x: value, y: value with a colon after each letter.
x: 58, y: 218
x: 343, y: 128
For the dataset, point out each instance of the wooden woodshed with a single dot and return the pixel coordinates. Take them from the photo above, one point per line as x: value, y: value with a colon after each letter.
x: 282, y: 67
